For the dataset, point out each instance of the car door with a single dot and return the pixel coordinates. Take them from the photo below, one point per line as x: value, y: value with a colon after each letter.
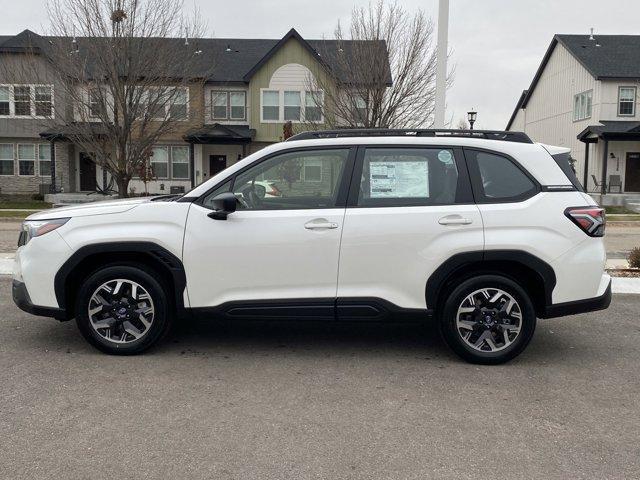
x: 277, y: 250
x: 410, y: 209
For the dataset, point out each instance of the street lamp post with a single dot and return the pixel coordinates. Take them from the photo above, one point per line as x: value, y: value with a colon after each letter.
x: 471, y: 116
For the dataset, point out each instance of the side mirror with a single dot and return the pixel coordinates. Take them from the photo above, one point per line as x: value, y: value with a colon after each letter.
x: 224, y: 204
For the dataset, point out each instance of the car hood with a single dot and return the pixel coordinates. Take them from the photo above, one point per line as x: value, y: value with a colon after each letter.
x: 86, y: 209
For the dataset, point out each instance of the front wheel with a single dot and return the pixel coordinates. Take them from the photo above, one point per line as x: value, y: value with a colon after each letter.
x: 122, y: 310
x: 488, y: 319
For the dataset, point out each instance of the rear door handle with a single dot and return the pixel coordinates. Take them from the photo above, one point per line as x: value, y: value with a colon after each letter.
x: 320, y: 224
x: 454, y: 220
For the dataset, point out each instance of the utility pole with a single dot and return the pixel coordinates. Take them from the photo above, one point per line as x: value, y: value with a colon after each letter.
x: 441, y: 66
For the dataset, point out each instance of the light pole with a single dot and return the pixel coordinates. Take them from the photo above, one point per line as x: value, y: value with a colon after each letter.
x: 471, y: 116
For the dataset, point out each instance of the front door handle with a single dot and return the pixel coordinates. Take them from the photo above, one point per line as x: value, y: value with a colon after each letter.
x: 454, y: 220
x: 320, y: 224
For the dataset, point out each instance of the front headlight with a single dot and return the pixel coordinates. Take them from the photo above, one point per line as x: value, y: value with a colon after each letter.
x: 36, y: 228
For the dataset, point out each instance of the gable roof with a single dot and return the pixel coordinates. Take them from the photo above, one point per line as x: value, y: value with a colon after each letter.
x: 222, y: 60
x: 605, y: 57
x: 517, y: 109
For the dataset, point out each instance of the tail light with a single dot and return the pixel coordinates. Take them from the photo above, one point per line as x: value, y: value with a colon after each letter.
x: 591, y: 220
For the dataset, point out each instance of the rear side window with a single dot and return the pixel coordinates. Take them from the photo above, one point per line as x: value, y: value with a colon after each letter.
x: 498, y: 179
x: 564, y: 161
x: 407, y: 176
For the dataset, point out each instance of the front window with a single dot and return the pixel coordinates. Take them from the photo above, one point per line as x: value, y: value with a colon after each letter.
x: 237, y: 101
x: 312, y: 106
x: 270, y: 105
x: 44, y: 159
x: 219, y: 105
x: 627, y: 101
x: 160, y: 162
x: 26, y: 159
x: 95, y: 103
x: 22, y: 101
x: 582, y: 105
x: 5, y: 98
x: 6, y: 159
x: 180, y: 163
x: 292, y: 180
x: 292, y: 108
x: 43, y: 101
x: 178, y: 104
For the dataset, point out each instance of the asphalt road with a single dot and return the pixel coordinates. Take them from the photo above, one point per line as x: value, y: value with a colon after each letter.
x: 320, y: 401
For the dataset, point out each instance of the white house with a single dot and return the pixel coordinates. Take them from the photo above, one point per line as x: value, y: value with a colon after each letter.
x: 584, y: 96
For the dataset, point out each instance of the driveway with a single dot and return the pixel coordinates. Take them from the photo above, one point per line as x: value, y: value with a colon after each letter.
x: 320, y: 401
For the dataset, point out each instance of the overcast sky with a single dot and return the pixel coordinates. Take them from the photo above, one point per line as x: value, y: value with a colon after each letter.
x: 496, y: 44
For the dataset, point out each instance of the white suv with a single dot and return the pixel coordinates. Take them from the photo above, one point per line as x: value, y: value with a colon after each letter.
x: 483, y: 231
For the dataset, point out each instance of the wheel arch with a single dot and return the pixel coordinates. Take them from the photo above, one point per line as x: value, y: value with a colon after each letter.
x: 90, y: 257
x: 534, y: 275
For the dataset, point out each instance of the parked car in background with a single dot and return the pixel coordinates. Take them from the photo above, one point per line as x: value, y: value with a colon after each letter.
x: 483, y: 231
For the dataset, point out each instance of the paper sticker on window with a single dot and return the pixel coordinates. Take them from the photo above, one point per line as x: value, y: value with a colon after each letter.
x: 399, y: 179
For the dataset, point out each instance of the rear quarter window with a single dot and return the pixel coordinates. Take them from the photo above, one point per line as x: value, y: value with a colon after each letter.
x: 497, y: 178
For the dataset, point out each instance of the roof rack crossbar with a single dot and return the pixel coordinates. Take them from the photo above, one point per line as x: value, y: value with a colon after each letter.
x: 520, y: 137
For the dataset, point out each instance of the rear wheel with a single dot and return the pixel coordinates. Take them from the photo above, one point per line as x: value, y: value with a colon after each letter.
x: 122, y: 310
x: 488, y: 319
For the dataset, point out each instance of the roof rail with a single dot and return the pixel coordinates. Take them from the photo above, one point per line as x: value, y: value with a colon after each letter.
x: 520, y: 137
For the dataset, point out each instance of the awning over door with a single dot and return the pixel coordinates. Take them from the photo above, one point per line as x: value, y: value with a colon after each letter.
x: 219, y: 133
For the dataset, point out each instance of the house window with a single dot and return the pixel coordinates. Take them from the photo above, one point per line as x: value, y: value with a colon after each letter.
x: 312, y: 106
x: 6, y: 159
x: 292, y: 107
x: 237, y: 101
x: 180, y: 163
x: 22, y: 101
x: 160, y: 162
x: 270, y: 105
x: 43, y: 101
x: 312, y: 170
x: 95, y: 101
x: 26, y: 159
x: 44, y: 159
x: 582, y: 105
x: 5, y: 97
x: 627, y: 101
x: 219, y: 105
x: 178, y: 103
x: 361, y: 109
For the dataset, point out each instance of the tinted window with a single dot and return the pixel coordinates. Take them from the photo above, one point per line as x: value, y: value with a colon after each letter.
x: 500, y: 178
x: 303, y: 179
x: 564, y: 162
x: 407, y: 176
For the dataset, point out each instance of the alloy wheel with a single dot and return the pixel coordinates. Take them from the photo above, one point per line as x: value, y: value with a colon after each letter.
x: 489, y: 320
x: 121, y: 311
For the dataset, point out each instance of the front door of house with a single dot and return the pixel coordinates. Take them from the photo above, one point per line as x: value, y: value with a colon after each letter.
x: 632, y: 172
x: 217, y: 163
x: 87, y: 173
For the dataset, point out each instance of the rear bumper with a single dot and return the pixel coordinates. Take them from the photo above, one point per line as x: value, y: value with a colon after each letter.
x: 579, y: 306
x: 23, y: 301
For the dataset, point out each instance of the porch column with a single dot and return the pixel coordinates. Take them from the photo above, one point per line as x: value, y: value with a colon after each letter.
x: 192, y: 164
x: 52, y: 146
x: 585, y: 183
x: 605, y: 153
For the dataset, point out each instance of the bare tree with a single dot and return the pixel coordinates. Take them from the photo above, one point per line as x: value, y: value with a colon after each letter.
x: 462, y: 124
x: 123, y: 73
x: 384, y: 70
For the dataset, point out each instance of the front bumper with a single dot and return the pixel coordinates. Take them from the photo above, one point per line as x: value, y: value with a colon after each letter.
x: 579, y: 306
x: 23, y: 301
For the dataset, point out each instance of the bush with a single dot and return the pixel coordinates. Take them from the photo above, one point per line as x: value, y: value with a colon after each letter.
x: 634, y: 258
x: 38, y: 197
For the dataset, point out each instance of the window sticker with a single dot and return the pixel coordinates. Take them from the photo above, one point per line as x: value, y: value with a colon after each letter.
x: 399, y: 179
x: 445, y: 157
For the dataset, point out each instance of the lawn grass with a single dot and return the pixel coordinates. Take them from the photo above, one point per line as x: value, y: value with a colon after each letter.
x: 619, y: 210
x: 22, y: 201
x: 16, y: 215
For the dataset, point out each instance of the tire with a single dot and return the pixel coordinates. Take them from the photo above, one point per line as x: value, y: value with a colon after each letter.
x: 128, y: 327
x: 489, y: 330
